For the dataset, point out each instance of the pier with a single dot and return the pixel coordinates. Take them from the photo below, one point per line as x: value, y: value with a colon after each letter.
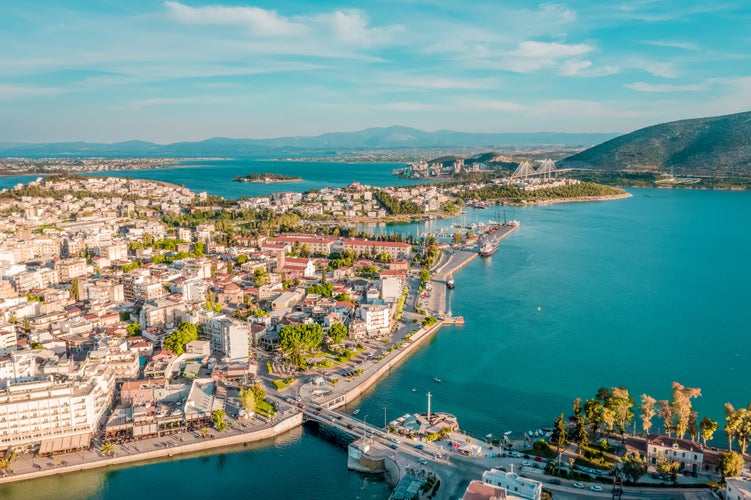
x: 454, y: 259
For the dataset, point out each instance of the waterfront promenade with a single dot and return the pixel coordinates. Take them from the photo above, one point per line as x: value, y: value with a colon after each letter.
x: 331, y: 395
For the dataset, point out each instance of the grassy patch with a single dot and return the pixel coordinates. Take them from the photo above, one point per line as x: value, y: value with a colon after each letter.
x: 268, y: 367
x: 265, y: 408
x: 283, y: 384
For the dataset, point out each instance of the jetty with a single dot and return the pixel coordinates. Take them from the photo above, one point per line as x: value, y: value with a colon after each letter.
x: 453, y: 259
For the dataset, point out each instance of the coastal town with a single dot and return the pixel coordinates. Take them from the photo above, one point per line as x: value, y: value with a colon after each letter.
x: 141, y: 320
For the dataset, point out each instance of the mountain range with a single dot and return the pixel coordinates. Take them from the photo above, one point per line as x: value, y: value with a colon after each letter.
x: 714, y: 147
x: 395, y: 137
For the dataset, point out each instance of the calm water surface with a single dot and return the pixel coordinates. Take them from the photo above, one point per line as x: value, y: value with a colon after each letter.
x: 636, y: 292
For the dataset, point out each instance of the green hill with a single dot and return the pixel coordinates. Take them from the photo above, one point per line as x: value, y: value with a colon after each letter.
x: 716, y: 147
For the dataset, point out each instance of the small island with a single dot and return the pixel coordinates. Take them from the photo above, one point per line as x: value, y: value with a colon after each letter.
x: 267, y: 177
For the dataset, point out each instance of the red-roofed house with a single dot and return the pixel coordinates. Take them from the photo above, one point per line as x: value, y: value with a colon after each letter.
x: 688, y: 454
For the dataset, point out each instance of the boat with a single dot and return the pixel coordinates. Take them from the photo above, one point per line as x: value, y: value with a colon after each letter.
x: 414, y: 389
x: 488, y: 248
x: 436, y: 379
x: 356, y: 411
x: 507, y: 433
x: 450, y: 281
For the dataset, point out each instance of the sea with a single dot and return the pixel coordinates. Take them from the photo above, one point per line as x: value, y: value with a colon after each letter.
x: 636, y: 292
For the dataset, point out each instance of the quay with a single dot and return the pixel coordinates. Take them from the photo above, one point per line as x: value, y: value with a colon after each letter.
x: 453, y: 260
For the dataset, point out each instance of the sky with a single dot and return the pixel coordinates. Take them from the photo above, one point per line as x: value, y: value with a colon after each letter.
x: 183, y: 70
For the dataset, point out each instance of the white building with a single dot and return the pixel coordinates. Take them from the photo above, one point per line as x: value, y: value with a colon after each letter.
x: 737, y: 488
x: 391, y: 289
x: 376, y: 318
x: 513, y: 483
x: 229, y: 337
x: 8, y: 338
x: 55, y: 416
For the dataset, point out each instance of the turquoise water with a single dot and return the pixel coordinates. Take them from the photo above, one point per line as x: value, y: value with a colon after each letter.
x: 636, y: 292
x: 215, y: 177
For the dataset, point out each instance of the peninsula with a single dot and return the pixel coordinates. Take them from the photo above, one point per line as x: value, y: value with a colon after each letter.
x: 267, y: 178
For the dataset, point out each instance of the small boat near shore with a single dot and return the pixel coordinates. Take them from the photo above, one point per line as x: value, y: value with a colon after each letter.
x: 436, y: 379
x: 356, y: 412
x: 488, y: 248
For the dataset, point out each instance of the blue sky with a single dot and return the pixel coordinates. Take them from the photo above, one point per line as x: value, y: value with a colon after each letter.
x: 167, y: 71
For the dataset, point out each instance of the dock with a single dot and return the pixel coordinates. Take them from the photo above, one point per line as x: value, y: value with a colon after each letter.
x: 452, y: 261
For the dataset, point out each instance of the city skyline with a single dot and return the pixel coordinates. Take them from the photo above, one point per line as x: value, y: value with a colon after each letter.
x: 167, y: 71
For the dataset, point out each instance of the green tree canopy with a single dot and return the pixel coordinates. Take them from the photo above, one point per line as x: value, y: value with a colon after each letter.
x: 634, y: 466
x: 731, y: 463
x: 338, y: 332
x: 177, y: 340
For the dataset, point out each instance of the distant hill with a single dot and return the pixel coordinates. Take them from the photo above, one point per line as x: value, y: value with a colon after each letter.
x: 714, y: 147
x: 373, y: 138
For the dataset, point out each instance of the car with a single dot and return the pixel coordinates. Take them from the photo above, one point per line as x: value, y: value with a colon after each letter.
x: 595, y: 488
x: 525, y: 463
x: 394, y: 447
x: 538, y: 459
x: 555, y: 481
x: 526, y: 456
x: 423, y: 461
x: 536, y: 465
x: 420, y: 446
x: 578, y: 485
x: 501, y: 468
x: 395, y: 440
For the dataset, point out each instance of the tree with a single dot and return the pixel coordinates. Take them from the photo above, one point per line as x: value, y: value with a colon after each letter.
x: 199, y: 249
x: 647, y: 412
x: 133, y: 329
x: 732, y: 424
x: 708, y: 428
x: 258, y: 392
x: 74, y: 289
x: 682, y: 406
x: 667, y: 469
x: 559, y: 437
x: 241, y: 259
x: 593, y: 411
x: 260, y: 278
x: 108, y: 448
x: 634, y: 466
x: 693, y: 425
x: 247, y: 400
x: 580, y: 432
x: 338, y: 332
x: 665, y: 412
x: 731, y: 463
x: 219, y: 420
x: 177, y: 340
x: 620, y: 403
x: 424, y: 275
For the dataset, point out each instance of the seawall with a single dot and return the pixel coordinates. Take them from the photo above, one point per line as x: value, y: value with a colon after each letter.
x: 283, y: 426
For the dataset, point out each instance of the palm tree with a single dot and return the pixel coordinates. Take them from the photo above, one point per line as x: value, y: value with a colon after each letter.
x: 204, y: 432
x: 108, y: 448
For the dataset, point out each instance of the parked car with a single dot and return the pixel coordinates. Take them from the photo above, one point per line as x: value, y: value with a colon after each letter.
x: 595, y: 488
x: 394, y: 447
x: 525, y: 463
x: 555, y: 481
x: 578, y: 485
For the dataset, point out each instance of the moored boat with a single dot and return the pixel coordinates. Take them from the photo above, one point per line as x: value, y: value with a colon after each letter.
x: 488, y: 248
x: 450, y: 281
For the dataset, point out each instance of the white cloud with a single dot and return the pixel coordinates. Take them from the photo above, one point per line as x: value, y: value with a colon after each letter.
x: 257, y: 20
x: 648, y: 87
x: 350, y: 27
x: 436, y: 82
x: 407, y: 106
x: 8, y: 92
x: 489, y: 105
x: 673, y: 44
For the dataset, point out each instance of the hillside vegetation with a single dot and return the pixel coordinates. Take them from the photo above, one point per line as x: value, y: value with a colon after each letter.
x: 717, y: 147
